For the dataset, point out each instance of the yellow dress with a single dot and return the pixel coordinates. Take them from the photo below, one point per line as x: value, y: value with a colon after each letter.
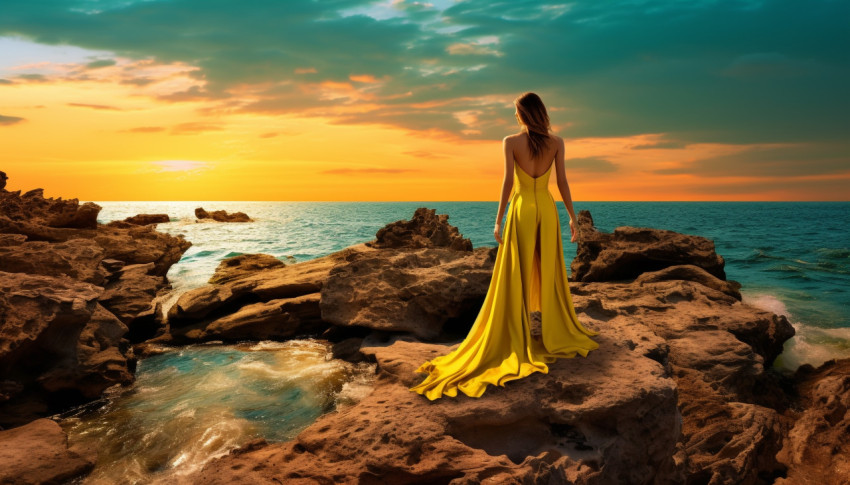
x: 529, y: 275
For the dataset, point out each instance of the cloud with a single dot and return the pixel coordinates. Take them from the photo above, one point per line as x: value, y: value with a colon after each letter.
x: 34, y: 77
x: 660, y: 145
x: 590, y: 164
x: 425, y: 154
x: 145, y: 129
x: 5, y: 81
x: 94, y: 106
x: 180, y: 165
x: 195, y: 127
x: 10, y: 120
x: 343, y: 171
x: 100, y: 63
x: 775, y: 72
x: 775, y: 161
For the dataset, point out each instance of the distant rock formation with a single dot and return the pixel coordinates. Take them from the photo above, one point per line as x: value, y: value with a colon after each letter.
x: 145, y: 219
x: 72, y: 294
x: 222, y: 216
x: 425, y: 229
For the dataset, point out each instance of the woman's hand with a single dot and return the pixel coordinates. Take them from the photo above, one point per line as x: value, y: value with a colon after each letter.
x: 496, y: 232
x: 573, y: 231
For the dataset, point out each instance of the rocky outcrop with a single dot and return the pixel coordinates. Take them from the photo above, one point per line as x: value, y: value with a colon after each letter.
x: 222, y: 216
x: 145, y: 219
x: 399, y: 286
x: 71, y: 293
x: 680, y: 390
x: 32, y: 208
x: 629, y: 251
x: 425, y: 291
x: 38, y: 452
x: 426, y: 229
x: 816, y: 449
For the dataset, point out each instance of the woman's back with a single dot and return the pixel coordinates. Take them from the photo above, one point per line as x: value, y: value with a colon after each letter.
x: 534, y: 167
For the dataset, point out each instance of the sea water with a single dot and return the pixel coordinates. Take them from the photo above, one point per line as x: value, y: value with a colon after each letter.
x: 792, y: 258
x: 192, y: 404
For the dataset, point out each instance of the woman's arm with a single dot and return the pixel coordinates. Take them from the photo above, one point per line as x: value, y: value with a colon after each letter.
x: 564, y: 187
x: 507, y: 187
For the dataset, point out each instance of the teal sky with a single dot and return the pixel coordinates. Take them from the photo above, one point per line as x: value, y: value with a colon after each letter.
x: 734, y: 72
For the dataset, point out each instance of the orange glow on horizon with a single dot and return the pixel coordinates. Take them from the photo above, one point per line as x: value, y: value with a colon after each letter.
x: 100, y: 139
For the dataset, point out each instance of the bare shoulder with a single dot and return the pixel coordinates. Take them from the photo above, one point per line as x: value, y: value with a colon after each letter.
x: 558, y: 140
x: 511, y: 138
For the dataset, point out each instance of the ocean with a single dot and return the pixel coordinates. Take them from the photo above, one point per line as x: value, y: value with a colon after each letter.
x: 792, y: 258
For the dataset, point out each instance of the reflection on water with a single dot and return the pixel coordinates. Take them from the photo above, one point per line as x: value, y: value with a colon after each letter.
x: 191, y: 404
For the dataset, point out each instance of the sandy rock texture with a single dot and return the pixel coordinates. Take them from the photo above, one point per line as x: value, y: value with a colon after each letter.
x: 73, y: 294
x: 38, y: 453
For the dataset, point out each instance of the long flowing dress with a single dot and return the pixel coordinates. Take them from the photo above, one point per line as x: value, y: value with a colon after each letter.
x: 529, y: 275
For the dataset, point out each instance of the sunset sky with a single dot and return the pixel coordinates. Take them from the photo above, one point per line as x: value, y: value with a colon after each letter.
x: 398, y: 100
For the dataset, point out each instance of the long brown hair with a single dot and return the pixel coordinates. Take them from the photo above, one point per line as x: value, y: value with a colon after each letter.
x: 535, y: 121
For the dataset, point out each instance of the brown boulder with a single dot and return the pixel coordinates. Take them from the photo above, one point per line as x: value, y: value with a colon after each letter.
x: 426, y: 229
x: 78, y: 258
x: 57, y: 337
x: 33, y: 208
x: 145, y: 219
x: 409, y: 290
x: 278, y: 319
x: 243, y: 265
x: 38, y: 453
x: 129, y: 294
x: 816, y: 449
x: 222, y: 216
x: 630, y: 251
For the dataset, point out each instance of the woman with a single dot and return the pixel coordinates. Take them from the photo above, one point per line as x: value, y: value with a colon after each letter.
x: 529, y: 274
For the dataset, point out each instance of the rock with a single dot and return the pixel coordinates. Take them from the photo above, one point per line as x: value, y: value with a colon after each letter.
x: 419, y: 291
x: 7, y: 240
x: 630, y: 251
x: 681, y: 390
x: 243, y: 265
x: 692, y: 273
x: 55, y: 338
x: 576, y: 424
x: 413, y: 278
x: 275, y: 319
x: 78, y: 258
x: 61, y: 276
x: 222, y: 216
x: 34, y: 209
x: 38, y: 452
x: 816, y: 449
x: 145, y: 219
x: 730, y: 398
x: 129, y: 295
x: 238, y: 285
x: 425, y: 229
